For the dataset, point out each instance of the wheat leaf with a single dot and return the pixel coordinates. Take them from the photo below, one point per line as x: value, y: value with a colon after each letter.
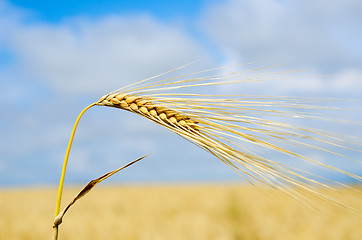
x: 58, y: 220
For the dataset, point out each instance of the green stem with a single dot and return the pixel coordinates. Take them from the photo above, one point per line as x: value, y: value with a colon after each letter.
x: 61, y: 183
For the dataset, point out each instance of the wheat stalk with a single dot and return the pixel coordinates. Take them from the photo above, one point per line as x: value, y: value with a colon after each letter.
x: 220, y: 123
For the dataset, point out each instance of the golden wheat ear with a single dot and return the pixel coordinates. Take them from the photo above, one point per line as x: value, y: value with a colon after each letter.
x: 225, y: 125
x: 222, y: 125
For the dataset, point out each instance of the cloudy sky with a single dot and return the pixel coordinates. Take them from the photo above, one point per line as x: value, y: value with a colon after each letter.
x: 57, y: 58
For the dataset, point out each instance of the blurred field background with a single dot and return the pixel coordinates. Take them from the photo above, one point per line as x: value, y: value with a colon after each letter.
x: 176, y: 212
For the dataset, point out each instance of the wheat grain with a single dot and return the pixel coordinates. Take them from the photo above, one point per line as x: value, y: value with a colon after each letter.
x: 157, y: 113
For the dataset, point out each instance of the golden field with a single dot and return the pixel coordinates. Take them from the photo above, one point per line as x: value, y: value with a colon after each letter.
x: 192, y: 212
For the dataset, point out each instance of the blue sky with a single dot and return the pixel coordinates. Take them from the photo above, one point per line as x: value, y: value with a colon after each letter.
x: 56, y: 11
x: 56, y: 58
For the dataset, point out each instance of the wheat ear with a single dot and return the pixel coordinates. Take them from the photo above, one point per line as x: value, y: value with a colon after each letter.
x: 220, y: 123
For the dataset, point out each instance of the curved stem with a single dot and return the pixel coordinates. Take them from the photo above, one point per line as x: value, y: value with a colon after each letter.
x: 61, y: 183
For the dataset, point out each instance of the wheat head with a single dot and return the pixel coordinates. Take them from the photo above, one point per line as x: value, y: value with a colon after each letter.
x: 220, y: 124
x: 160, y: 114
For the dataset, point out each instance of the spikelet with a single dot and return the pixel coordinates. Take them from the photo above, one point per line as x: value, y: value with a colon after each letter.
x: 167, y: 117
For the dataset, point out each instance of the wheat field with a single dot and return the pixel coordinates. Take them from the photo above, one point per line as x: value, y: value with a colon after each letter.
x: 199, y: 212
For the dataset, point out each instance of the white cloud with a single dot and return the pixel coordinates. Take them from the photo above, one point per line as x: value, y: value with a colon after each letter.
x: 346, y: 83
x: 349, y: 80
x: 319, y: 34
x: 96, y: 56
